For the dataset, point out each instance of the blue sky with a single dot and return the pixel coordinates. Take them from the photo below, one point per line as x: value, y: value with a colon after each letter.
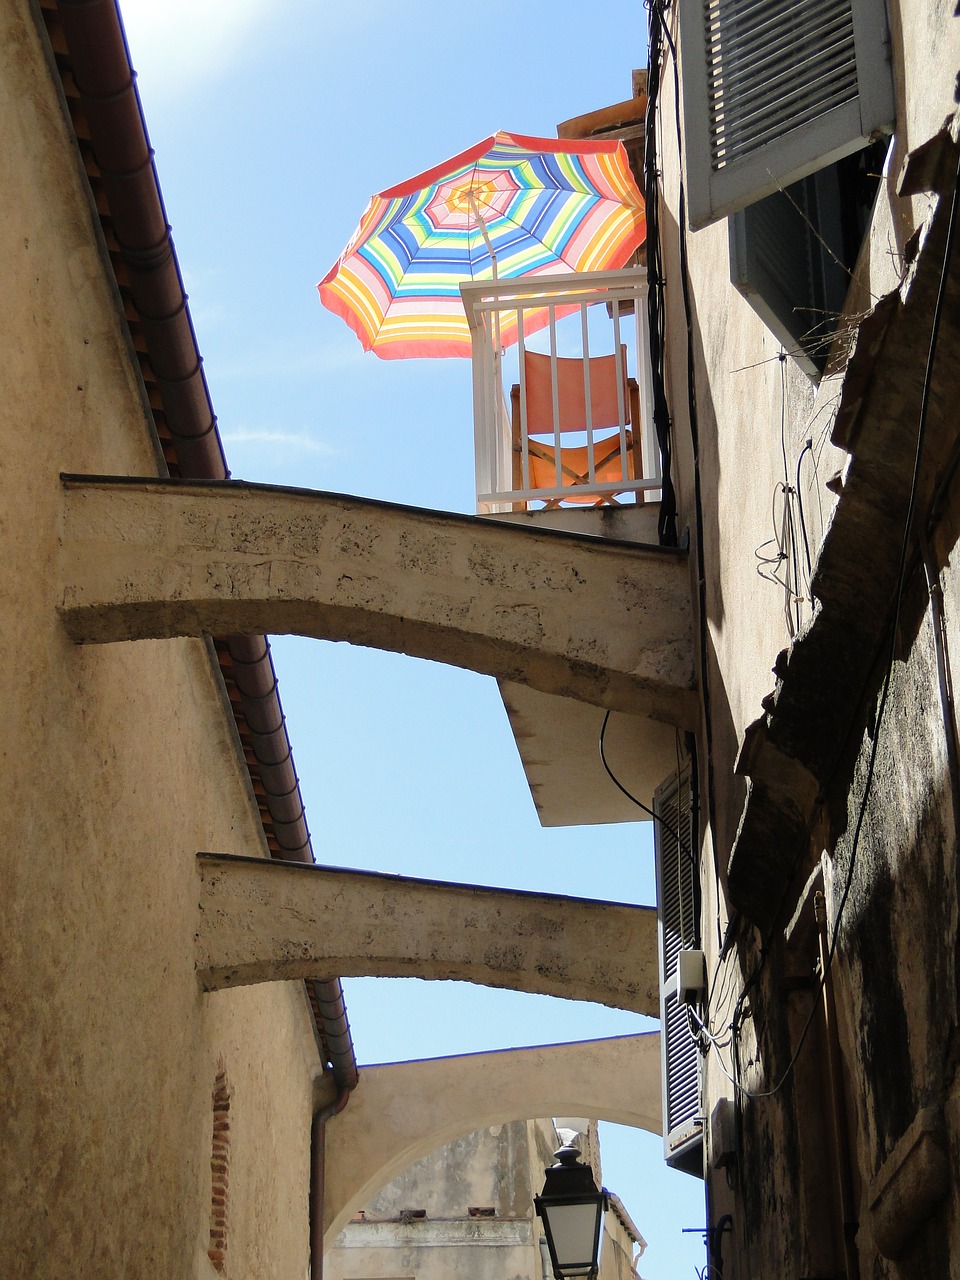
x: 273, y: 122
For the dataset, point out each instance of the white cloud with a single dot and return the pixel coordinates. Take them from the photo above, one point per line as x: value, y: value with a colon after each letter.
x: 175, y: 44
x: 293, y: 441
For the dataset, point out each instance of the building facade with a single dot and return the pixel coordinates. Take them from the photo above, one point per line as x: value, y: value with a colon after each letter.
x: 168, y: 1088
x: 467, y: 1210
x: 805, y: 342
x: 175, y: 1052
x: 148, y: 1128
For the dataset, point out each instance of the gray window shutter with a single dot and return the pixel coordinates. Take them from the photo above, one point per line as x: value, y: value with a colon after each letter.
x: 678, y: 914
x: 774, y: 90
x: 786, y: 253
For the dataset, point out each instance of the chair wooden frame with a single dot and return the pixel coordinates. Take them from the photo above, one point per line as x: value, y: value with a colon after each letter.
x: 574, y: 460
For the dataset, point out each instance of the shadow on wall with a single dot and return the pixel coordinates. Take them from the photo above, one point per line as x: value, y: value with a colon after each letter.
x: 725, y: 738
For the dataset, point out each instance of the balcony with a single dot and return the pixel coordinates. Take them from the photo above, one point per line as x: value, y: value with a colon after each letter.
x: 562, y: 395
x: 550, y: 452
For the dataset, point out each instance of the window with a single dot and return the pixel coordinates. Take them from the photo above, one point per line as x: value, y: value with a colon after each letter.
x: 678, y: 918
x: 791, y: 254
x: 774, y: 90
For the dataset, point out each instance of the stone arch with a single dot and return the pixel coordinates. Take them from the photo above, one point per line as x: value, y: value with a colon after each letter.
x: 264, y: 921
x: 402, y: 1111
x: 603, y: 622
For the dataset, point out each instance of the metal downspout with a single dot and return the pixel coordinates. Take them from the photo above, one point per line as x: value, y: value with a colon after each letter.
x: 318, y: 1169
x: 107, y: 86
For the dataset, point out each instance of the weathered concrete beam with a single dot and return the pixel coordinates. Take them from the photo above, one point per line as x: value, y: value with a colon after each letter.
x: 402, y: 1111
x: 266, y: 921
x: 606, y: 623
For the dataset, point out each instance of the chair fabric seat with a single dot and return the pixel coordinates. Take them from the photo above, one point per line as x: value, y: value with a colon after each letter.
x: 612, y: 397
x: 575, y: 468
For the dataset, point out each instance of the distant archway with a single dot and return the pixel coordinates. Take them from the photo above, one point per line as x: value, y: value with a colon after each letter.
x: 402, y: 1111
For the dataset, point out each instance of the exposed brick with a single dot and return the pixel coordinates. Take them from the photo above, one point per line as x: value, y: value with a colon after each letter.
x: 219, y: 1171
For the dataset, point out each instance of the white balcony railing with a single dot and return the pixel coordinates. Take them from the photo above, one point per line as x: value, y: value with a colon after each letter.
x: 576, y: 427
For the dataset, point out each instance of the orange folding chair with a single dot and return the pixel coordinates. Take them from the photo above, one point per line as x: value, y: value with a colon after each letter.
x: 574, y: 460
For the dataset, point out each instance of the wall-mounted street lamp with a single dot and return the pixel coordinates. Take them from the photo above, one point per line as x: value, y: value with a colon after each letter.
x: 572, y: 1209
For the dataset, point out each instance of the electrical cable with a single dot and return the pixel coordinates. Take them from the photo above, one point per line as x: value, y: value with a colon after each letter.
x: 704, y: 1030
x: 717, y: 998
x: 783, y: 568
x: 798, y: 599
x: 693, y: 813
x: 667, y: 826
x: 659, y: 32
x: 656, y: 310
x: 807, y: 448
x: 693, y: 776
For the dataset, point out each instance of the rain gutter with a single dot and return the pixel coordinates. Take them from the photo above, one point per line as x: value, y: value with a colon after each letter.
x: 106, y: 84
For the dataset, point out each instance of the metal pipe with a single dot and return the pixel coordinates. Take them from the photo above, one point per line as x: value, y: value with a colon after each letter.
x: 318, y: 1148
x: 546, y: 1268
x: 107, y: 85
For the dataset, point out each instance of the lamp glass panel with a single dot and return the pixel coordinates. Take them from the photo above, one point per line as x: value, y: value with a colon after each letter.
x: 574, y: 1231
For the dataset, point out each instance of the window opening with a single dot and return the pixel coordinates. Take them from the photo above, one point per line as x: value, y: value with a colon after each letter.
x: 792, y: 254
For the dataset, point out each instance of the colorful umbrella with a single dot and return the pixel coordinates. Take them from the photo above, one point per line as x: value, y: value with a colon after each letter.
x: 510, y: 206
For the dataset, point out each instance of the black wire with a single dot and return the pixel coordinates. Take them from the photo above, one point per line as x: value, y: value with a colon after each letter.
x: 793, y: 565
x: 794, y: 561
x: 694, y: 810
x: 658, y: 33
x: 656, y: 11
x: 807, y: 448
x: 656, y: 310
x: 668, y: 827
x: 782, y: 357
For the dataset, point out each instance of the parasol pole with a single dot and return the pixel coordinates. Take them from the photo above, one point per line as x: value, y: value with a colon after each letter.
x: 497, y: 344
x: 472, y: 201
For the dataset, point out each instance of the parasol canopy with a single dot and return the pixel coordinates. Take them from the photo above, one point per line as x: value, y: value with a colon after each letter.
x: 510, y: 206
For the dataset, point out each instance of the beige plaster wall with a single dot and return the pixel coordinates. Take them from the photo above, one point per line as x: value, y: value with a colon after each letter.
x: 617, y: 1251
x: 119, y: 763
x: 742, y: 387
x: 498, y: 1168
x: 752, y: 408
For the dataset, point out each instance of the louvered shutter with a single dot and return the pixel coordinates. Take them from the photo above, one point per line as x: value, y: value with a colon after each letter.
x: 774, y: 90
x: 786, y: 253
x: 678, y: 914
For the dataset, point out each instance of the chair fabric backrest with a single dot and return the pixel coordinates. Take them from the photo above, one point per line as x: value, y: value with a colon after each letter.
x: 571, y: 392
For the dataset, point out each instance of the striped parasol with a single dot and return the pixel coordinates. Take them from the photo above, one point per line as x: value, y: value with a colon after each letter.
x: 510, y: 206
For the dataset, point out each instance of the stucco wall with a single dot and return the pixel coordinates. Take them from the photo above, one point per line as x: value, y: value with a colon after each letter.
x: 492, y: 1169
x: 752, y: 407
x: 895, y: 973
x: 899, y: 959
x: 119, y: 764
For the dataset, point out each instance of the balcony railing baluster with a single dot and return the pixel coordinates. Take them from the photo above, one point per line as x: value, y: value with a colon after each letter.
x: 505, y: 452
